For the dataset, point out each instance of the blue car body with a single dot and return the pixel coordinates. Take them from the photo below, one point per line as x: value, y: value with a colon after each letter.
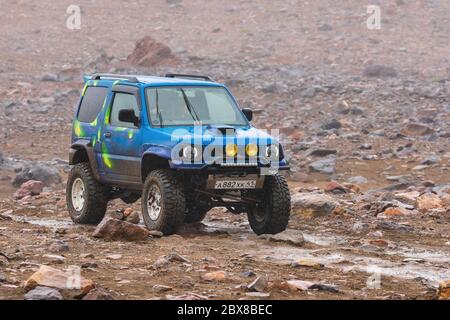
x: 119, y: 155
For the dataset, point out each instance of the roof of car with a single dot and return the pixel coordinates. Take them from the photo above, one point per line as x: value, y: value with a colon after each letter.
x: 170, y: 79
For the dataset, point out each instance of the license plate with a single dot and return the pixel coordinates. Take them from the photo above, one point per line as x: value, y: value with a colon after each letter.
x: 235, y: 184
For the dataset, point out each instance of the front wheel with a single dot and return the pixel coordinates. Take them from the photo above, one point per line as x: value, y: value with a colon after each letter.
x: 271, y: 216
x: 163, y: 202
x: 86, y: 198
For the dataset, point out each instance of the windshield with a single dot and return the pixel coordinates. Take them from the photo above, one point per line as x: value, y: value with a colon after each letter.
x: 169, y: 106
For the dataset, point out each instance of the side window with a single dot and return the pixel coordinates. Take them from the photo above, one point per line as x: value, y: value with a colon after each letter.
x: 123, y: 101
x: 92, y: 103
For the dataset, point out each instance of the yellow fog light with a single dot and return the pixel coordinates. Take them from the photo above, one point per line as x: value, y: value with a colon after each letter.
x: 231, y: 150
x: 251, y: 150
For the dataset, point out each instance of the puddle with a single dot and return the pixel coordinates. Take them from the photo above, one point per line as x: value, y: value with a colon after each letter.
x: 49, y: 223
x: 418, y: 262
x: 434, y: 268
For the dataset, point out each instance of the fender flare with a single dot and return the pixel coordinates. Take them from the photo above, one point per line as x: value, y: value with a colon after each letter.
x: 80, y: 146
x: 161, y: 153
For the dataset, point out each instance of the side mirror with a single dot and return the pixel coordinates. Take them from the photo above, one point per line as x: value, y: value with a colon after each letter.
x: 248, y: 113
x: 127, y: 115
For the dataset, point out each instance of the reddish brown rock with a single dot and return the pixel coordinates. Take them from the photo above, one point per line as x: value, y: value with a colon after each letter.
x: 335, y: 187
x: 149, y: 52
x: 444, y: 290
x: 114, y: 229
x: 54, y: 278
x: 29, y: 188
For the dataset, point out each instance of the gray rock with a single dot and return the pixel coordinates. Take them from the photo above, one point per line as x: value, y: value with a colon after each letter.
x: 50, y: 77
x: 393, y: 226
x: 260, y: 284
x: 379, y: 71
x: 325, y: 165
x: 58, y: 246
x: 430, y: 160
x: 40, y: 172
x: 43, y: 293
x: 271, y: 88
x: 309, y: 92
x: 313, y: 204
x: 331, y: 124
x: 98, y: 294
x: 358, y: 180
x: 325, y: 27
x: 322, y: 152
x: 289, y: 236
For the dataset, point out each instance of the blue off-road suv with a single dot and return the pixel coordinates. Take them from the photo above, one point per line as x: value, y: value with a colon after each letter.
x: 179, y: 142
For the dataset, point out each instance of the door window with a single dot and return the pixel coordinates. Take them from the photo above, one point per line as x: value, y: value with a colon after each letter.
x: 123, y: 101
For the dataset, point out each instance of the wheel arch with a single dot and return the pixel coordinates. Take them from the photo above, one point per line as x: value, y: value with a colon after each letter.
x: 154, y: 158
x: 82, y: 151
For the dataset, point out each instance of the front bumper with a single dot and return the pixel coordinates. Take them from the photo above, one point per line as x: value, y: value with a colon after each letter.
x: 238, y: 167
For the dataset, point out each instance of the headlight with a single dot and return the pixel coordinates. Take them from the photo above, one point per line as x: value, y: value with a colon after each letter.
x: 231, y: 150
x: 251, y: 149
x: 190, y: 152
x: 272, y: 151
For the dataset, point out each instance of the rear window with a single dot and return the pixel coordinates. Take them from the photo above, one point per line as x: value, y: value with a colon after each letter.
x: 92, y: 103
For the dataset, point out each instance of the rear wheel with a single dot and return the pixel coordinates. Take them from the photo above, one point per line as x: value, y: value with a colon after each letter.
x: 86, y: 198
x: 163, y: 202
x: 271, y: 216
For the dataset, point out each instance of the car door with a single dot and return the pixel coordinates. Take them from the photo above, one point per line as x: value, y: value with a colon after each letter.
x: 121, y: 141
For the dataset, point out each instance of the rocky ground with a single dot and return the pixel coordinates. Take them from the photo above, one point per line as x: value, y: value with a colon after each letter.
x: 363, y: 115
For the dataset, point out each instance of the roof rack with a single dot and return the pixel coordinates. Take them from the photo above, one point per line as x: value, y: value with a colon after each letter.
x: 99, y: 76
x: 188, y: 76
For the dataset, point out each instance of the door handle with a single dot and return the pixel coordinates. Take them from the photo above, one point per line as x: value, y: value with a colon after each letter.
x: 107, y: 134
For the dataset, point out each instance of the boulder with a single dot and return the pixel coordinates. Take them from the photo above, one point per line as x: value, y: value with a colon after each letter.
x: 215, y: 276
x: 260, y: 284
x: 29, y: 188
x: 289, y: 236
x: 429, y: 201
x: 325, y: 165
x: 331, y: 124
x: 43, y: 293
x: 322, y: 152
x: 416, y: 129
x: 54, y: 278
x: 47, y: 174
x: 148, y: 52
x: 114, y: 229
x: 313, y: 204
x: 98, y: 294
x: 335, y: 187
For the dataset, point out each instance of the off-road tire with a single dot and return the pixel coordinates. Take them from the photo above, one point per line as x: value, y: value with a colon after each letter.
x: 95, y: 195
x: 173, y: 202
x: 273, y: 215
x: 195, y: 215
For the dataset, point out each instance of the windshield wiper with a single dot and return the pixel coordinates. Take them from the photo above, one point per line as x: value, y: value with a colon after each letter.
x: 190, y: 107
x: 157, y: 109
